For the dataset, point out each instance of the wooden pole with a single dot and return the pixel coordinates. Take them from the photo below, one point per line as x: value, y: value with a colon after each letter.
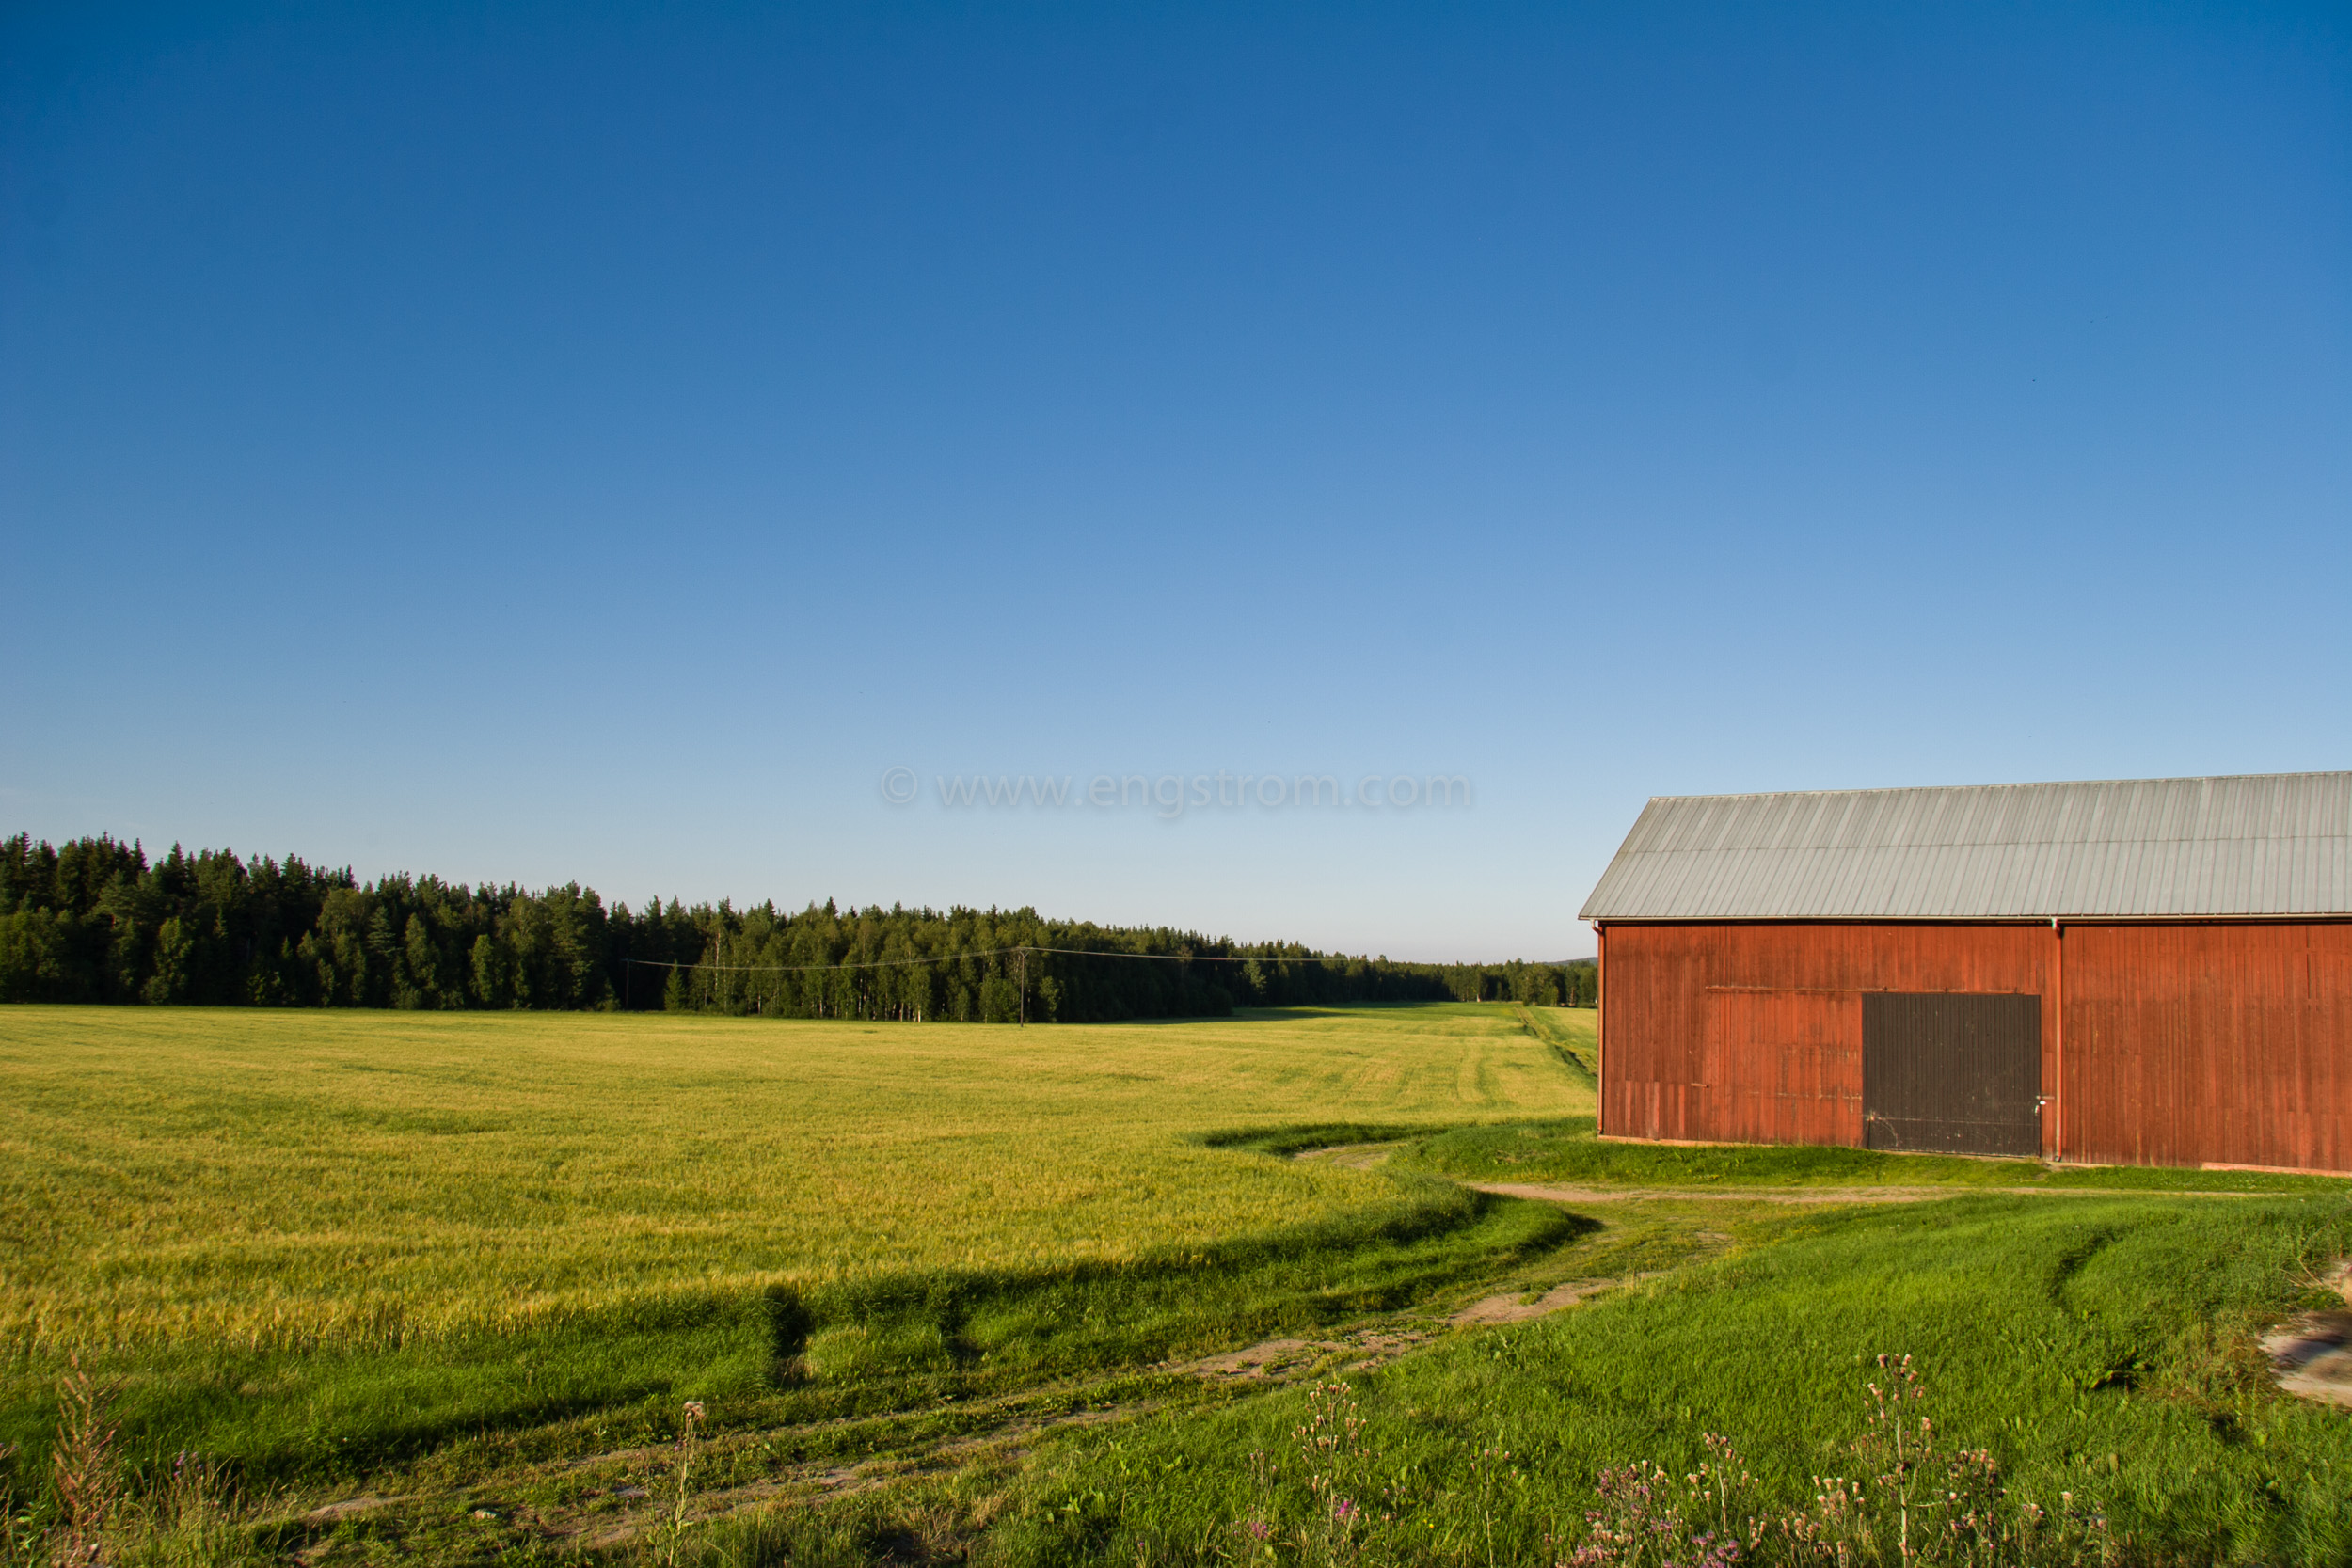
x: 2058, y: 988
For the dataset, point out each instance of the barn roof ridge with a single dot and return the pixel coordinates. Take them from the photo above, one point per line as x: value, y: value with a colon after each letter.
x: 2231, y: 843
x: 2044, y: 784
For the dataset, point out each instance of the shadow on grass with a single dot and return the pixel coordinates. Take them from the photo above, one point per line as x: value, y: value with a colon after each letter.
x: 1297, y: 1137
x: 785, y: 1353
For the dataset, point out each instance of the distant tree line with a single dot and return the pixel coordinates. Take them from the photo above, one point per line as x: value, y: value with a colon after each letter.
x: 93, y: 920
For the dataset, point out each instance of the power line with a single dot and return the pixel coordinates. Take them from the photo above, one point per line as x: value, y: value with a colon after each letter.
x: 1200, y: 958
x: 993, y: 953
x: 802, y: 969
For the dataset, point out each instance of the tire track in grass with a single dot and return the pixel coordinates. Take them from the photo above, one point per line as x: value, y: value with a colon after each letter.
x: 624, y: 1494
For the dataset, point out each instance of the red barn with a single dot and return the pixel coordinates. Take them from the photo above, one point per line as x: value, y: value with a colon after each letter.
x: 2141, y: 972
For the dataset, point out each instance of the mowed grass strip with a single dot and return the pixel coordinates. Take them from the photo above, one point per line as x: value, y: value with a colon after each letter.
x: 1568, y: 1151
x: 258, y: 1179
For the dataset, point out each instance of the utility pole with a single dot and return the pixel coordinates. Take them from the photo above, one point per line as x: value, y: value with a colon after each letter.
x: 1020, y: 959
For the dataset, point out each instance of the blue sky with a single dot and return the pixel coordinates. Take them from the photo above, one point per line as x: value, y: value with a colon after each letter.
x: 549, y: 443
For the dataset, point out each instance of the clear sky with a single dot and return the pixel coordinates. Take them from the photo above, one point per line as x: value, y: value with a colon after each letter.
x: 542, y: 443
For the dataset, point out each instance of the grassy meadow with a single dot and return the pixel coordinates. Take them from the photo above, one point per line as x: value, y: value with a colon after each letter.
x: 2100, y: 1351
x: 316, y: 1243
x: 281, y: 1179
x: 438, y: 1287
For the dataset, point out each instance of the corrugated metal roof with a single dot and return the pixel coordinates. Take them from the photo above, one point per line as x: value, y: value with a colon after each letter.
x: 2252, y: 845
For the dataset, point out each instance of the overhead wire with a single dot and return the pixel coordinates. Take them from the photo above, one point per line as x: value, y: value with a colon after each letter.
x: 993, y: 953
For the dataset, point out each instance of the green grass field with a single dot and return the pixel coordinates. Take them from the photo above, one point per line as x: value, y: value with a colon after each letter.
x: 264, y: 1179
x: 1567, y: 1152
x: 314, y: 1244
x: 945, y: 1292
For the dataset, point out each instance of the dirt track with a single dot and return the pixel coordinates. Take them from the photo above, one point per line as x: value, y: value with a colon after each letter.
x: 1368, y: 1156
x: 1807, y: 1194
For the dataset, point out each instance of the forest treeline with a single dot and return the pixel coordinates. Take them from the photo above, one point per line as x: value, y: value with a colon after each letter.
x: 93, y: 920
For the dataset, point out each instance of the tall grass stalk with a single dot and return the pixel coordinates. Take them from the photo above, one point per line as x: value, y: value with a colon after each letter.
x: 191, y: 1521
x: 691, y: 1420
x: 84, y: 1471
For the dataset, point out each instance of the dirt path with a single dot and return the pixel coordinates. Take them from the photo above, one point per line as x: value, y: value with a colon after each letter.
x: 1520, y: 1309
x: 619, y: 1496
x: 1715, y: 1194
x: 1280, y: 1360
x: 1808, y: 1195
x: 650, y: 1509
x: 1371, y: 1156
x: 630, y: 1493
x: 636, y: 1476
x: 2312, y: 1356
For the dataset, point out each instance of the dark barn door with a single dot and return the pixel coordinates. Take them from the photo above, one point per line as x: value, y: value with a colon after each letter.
x: 1951, y: 1074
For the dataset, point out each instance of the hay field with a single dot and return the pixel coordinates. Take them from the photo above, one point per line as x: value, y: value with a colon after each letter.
x: 288, y: 1180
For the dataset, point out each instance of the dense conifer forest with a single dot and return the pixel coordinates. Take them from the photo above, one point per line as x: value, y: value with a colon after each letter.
x: 93, y: 920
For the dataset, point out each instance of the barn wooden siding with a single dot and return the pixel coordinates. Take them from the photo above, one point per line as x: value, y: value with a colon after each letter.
x: 1752, y: 1033
x: 2229, y: 1044
x: 2182, y: 1043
